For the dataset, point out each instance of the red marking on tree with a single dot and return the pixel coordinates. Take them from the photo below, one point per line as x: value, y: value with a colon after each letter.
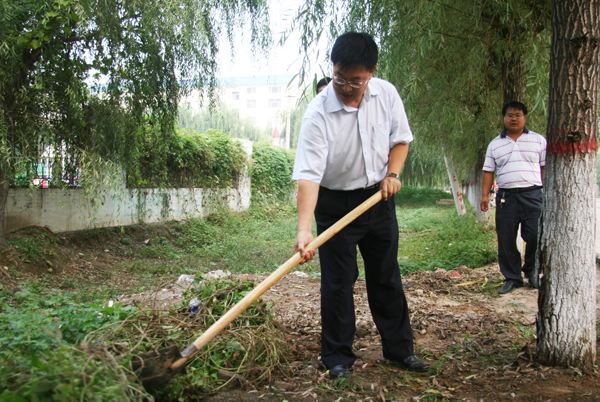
x: 583, y: 146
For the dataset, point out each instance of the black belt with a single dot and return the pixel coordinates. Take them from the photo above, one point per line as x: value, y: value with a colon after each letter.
x: 374, y: 186
x: 370, y: 188
x: 520, y: 189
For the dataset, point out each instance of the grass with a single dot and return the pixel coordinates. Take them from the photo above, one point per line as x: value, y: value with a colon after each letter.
x: 44, y: 325
x: 436, y: 237
x: 417, y: 197
x: 260, y: 240
x: 40, y: 330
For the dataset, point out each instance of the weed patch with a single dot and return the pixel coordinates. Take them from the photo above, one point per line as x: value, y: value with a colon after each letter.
x: 54, y: 346
x: 32, y: 249
x: 251, y: 350
x: 436, y: 237
x: 419, y: 197
x: 40, y: 357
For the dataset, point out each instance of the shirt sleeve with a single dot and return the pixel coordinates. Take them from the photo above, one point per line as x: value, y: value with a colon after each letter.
x: 311, y: 155
x: 543, y: 146
x: 400, y: 132
x: 490, y: 163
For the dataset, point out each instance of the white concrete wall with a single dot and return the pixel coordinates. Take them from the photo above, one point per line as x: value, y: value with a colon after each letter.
x: 73, y: 209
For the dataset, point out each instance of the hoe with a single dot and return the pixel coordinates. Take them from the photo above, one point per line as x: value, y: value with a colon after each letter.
x: 157, y: 368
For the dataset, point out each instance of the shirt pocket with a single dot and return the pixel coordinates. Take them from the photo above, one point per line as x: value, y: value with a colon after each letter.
x: 380, y: 143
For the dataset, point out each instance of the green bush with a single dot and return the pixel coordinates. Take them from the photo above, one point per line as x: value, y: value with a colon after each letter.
x: 40, y: 354
x: 188, y: 159
x: 271, y: 173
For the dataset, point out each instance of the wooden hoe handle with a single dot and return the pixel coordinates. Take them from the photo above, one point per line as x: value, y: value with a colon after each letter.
x: 271, y: 280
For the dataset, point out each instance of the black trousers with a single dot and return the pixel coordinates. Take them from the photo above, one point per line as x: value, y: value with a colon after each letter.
x: 518, y: 208
x: 376, y: 235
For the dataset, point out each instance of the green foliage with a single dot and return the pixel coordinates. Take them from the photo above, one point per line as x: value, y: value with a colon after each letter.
x: 256, y: 241
x: 454, y: 63
x: 419, y: 196
x: 188, y: 159
x: 436, y: 237
x: 271, y: 173
x: 33, y: 247
x: 40, y: 331
x: 54, y: 347
x: 218, y: 296
x: 86, y: 76
x: 489, y: 50
x: 252, y: 347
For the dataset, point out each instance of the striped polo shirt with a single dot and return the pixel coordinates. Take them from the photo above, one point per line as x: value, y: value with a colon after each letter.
x: 516, y: 163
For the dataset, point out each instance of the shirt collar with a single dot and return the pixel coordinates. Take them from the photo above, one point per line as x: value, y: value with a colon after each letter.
x: 503, y: 133
x: 333, y: 104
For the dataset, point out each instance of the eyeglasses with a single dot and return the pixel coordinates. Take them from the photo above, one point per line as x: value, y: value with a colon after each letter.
x: 353, y: 84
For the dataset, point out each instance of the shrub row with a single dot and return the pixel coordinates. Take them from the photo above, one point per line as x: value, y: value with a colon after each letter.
x: 271, y: 173
x: 188, y: 159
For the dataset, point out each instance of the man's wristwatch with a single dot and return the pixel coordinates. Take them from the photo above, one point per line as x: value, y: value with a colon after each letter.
x: 392, y: 174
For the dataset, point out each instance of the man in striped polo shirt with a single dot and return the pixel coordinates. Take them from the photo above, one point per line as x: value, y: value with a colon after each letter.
x: 517, y: 156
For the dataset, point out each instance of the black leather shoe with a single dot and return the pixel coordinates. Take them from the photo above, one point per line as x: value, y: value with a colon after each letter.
x: 509, y: 286
x: 411, y: 363
x: 534, y: 280
x: 339, y: 371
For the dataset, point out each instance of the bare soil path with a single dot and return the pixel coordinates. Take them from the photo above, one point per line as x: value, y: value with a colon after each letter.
x: 479, y: 344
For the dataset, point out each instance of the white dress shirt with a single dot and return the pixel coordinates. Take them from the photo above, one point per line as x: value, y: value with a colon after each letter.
x: 344, y: 148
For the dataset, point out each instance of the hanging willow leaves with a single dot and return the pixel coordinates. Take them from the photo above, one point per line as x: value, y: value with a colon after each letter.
x: 453, y: 62
x: 101, y: 76
x: 86, y: 74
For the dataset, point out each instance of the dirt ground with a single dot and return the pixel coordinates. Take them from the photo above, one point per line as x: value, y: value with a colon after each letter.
x: 480, y: 345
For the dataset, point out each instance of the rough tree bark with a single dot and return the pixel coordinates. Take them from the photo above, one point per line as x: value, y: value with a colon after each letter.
x: 567, y: 299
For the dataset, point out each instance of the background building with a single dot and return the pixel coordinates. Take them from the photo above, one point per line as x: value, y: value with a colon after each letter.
x: 266, y: 101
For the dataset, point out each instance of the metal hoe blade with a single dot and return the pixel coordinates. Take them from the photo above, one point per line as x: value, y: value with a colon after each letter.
x: 154, y: 368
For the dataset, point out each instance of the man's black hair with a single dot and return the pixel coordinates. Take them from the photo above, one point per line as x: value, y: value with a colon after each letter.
x: 322, y: 82
x: 514, y: 105
x: 354, y: 49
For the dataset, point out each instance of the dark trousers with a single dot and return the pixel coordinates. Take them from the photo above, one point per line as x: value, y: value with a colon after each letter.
x: 518, y: 208
x: 376, y: 235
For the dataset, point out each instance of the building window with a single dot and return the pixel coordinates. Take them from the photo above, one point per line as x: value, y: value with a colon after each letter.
x: 275, y: 90
x: 274, y: 103
x: 235, y: 95
x: 251, y: 90
x: 251, y: 103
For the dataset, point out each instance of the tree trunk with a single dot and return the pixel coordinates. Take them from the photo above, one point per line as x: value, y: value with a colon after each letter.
x: 567, y: 299
x: 473, y: 192
x: 457, y: 194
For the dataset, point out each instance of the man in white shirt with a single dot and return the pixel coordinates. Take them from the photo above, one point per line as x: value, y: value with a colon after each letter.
x: 517, y: 156
x: 353, y: 142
